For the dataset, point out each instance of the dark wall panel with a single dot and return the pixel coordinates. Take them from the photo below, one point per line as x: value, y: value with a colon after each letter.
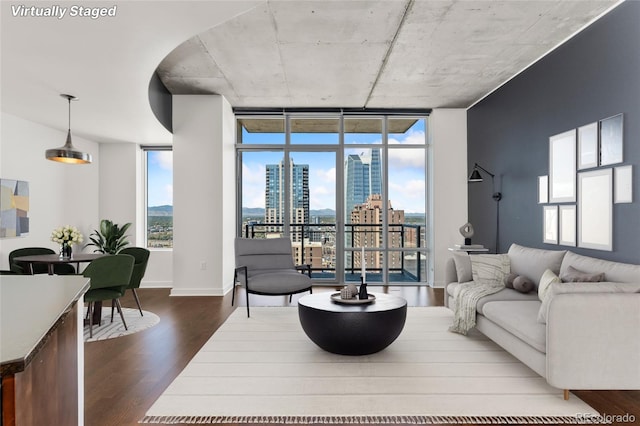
x: 593, y: 76
x: 161, y: 102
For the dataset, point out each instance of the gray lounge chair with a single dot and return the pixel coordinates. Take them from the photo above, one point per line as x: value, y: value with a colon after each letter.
x: 265, y: 266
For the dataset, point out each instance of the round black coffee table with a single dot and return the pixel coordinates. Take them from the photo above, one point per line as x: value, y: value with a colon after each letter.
x: 352, y: 329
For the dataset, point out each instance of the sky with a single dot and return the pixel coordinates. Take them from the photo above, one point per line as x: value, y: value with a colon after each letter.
x: 159, y: 178
x: 406, y: 169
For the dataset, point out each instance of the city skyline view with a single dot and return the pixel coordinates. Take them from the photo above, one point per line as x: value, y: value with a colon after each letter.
x: 313, y: 194
x: 406, y: 170
x: 407, y: 176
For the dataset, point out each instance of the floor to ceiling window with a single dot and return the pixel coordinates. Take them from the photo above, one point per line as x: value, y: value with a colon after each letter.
x: 349, y: 191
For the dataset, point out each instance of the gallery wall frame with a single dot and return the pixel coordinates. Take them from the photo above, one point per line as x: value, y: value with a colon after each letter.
x: 588, y: 146
x: 623, y: 184
x: 543, y: 189
x: 595, y: 209
x: 550, y: 225
x: 611, y: 140
x: 562, y: 167
x: 567, y: 223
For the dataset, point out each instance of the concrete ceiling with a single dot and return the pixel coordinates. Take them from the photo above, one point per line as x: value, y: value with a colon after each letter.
x: 376, y: 54
x: 372, y: 54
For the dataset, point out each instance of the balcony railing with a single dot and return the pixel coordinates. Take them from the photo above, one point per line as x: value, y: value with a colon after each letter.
x: 404, y: 264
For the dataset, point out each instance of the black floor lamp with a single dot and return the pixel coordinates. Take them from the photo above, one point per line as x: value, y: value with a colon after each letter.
x: 475, y: 176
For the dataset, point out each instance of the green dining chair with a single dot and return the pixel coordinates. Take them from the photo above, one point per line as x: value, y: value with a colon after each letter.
x: 109, y: 279
x: 141, y: 255
x: 38, y: 268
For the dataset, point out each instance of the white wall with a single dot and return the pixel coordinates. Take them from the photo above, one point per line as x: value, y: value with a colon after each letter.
x: 121, y: 200
x: 449, y: 186
x: 59, y: 194
x: 204, y: 195
x: 119, y: 169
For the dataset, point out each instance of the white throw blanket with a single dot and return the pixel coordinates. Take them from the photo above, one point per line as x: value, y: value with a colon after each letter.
x: 489, y: 272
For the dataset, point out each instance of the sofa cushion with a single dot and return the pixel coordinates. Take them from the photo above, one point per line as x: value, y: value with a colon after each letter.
x: 519, y: 319
x: 463, y: 267
x: 491, y: 269
x: 279, y: 282
x: 532, y: 262
x: 545, y: 281
x: 613, y: 271
x: 590, y: 287
x: 506, y: 294
x: 572, y: 275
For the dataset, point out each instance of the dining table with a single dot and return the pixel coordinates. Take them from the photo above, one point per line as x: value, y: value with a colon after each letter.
x: 54, y: 259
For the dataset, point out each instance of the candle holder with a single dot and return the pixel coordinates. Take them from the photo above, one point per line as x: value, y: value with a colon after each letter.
x: 362, y: 294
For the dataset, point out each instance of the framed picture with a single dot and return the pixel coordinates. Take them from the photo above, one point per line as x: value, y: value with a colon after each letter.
x: 595, y: 209
x: 567, y: 219
x: 543, y: 189
x: 623, y: 184
x: 611, y: 151
x: 14, y: 208
x: 588, y: 146
x: 550, y: 225
x: 562, y: 167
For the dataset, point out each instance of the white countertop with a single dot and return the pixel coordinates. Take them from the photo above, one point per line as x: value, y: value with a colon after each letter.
x: 30, y: 305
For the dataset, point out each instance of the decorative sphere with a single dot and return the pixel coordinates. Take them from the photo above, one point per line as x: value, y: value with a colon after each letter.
x: 352, y: 289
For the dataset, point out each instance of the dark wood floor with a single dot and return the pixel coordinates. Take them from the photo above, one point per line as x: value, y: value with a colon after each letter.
x: 124, y: 376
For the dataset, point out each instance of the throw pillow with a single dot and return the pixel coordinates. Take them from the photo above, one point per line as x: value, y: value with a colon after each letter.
x: 491, y: 269
x: 463, y: 267
x: 509, y: 282
x: 572, y: 275
x: 547, y: 278
x: 523, y: 284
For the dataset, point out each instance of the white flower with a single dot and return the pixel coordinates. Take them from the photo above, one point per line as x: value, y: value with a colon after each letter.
x: 66, y: 234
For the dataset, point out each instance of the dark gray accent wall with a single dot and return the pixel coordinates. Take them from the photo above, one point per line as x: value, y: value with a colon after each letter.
x: 593, y: 76
x: 161, y: 102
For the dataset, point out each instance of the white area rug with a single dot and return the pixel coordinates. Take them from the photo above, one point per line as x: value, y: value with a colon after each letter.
x: 264, y: 369
x: 111, y: 330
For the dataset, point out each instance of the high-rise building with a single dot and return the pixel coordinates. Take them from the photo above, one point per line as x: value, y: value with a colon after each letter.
x: 363, y: 177
x: 369, y: 216
x: 298, y: 197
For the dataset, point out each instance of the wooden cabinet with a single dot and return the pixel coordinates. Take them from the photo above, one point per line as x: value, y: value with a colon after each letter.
x: 44, y: 386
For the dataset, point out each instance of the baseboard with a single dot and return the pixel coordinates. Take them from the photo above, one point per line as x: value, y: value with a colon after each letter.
x: 198, y: 291
x: 156, y: 284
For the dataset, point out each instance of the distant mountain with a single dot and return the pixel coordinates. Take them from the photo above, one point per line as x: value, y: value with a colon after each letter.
x: 259, y: 211
x: 323, y: 212
x: 252, y: 211
x: 160, y: 211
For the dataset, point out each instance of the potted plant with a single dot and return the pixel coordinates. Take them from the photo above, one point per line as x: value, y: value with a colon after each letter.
x: 110, y: 239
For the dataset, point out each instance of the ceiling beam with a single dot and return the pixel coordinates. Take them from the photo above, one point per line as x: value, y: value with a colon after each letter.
x: 383, y: 65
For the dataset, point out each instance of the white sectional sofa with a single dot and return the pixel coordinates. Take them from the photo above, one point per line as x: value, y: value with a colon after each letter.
x: 591, y: 338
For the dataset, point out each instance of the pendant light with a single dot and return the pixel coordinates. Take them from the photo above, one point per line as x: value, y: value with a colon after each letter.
x: 68, y: 153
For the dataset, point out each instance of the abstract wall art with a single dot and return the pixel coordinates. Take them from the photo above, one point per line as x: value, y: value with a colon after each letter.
x: 14, y: 208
